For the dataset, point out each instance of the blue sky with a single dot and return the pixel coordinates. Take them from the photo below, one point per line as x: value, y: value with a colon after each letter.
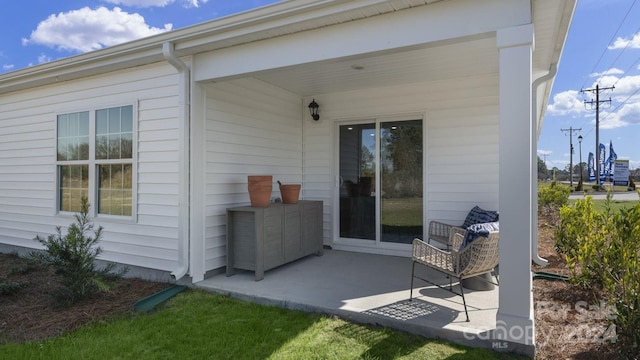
x: 37, y: 31
x: 603, y: 48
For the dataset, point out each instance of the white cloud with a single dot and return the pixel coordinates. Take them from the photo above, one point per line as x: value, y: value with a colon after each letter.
x: 628, y: 114
x: 544, y: 152
x: 155, y: 3
x: 612, y: 71
x: 566, y: 103
x: 625, y: 87
x: 195, y: 3
x: 141, y: 3
x: 621, y: 43
x: 91, y: 29
x: 8, y: 66
x: 42, y: 58
x: 623, y: 110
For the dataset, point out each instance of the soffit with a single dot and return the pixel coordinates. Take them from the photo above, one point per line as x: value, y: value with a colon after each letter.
x: 468, y: 58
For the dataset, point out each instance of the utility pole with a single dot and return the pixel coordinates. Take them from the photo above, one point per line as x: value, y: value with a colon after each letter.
x: 597, y: 102
x: 571, y: 130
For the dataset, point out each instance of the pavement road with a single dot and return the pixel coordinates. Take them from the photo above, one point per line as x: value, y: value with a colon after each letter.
x: 620, y: 196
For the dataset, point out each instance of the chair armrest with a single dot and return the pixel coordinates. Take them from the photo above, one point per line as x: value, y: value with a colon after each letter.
x: 432, y: 256
x: 439, y: 232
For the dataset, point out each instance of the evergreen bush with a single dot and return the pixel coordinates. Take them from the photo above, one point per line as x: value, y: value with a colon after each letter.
x: 74, y: 255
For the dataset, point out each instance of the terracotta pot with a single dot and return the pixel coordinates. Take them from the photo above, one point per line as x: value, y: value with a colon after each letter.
x: 260, y: 187
x: 290, y: 193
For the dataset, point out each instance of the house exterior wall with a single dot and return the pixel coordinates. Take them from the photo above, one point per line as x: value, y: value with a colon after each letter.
x: 461, y: 146
x: 28, y: 169
x: 252, y: 128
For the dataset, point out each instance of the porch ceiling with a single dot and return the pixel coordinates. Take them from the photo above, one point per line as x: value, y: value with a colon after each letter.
x: 440, y: 62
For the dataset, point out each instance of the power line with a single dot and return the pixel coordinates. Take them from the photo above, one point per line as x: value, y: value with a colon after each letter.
x: 610, y: 41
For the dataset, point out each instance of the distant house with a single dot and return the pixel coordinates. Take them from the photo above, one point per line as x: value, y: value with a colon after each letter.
x: 433, y: 104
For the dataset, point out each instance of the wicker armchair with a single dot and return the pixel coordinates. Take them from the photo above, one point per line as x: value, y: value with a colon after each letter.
x: 477, y: 258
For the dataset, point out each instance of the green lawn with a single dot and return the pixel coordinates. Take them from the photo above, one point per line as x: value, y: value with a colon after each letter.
x: 599, y: 206
x: 199, y: 325
x: 402, y: 211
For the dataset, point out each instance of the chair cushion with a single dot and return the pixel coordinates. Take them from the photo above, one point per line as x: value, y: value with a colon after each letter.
x: 476, y: 230
x: 478, y: 215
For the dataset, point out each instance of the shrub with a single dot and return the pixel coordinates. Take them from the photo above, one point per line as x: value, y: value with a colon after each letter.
x: 73, y: 257
x: 12, y: 287
x: 554, y: 195
x: 603, y: 252
x: 580, y: 237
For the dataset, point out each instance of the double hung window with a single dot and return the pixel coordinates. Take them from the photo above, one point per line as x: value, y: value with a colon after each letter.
x: 95, y: 160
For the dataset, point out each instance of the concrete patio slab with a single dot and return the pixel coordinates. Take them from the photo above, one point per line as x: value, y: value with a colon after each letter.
x: 367, y: 288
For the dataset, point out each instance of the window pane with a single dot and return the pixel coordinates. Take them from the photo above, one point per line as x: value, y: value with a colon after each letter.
x: 102, y: 147
x: 83, y: 119
x: 74, y: 182
x: 127, y: 118
x: 62, y: 149
x: 102, y: 122
x: 113, y: 133
x: 63, y: 124
x: 114, y: 147
x: 115, y: 189
x: 83, y: 148
x: 73, y: 136
x: 126, y: 150
x: 114, y: 120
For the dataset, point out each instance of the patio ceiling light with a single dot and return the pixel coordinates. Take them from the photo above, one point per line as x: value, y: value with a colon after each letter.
x: 313, y: 109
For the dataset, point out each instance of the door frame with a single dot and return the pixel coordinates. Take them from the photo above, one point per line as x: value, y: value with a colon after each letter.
x: 375, y: 246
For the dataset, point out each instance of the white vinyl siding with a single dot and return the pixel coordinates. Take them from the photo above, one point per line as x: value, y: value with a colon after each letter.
x: 28, y: 162
x: 461, y: 154
x: 252, y: 128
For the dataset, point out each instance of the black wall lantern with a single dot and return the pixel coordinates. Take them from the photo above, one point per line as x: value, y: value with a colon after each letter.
x: 313, y: 109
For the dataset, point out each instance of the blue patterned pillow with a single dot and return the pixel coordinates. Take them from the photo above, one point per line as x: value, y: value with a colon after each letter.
x: 478, y: 215
x: 476, y: 230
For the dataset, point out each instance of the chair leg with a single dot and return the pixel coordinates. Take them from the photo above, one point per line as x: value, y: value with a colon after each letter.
x: 464, y: 302
x: 413, y: 269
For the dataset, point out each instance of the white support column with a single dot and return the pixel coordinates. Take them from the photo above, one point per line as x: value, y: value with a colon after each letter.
x: 197, y: 212
x: 515, y: 322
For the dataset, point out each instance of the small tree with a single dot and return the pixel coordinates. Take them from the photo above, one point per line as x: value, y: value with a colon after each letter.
x: 73, y: 257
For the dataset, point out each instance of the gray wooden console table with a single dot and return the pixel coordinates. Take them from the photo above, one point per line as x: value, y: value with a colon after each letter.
x: 260, y: 239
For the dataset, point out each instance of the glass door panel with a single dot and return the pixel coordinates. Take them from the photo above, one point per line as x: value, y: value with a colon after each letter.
x: 401, y: 159
x: 358, y: 181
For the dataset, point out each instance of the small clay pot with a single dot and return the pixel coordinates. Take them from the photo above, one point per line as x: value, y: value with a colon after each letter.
x: 260, y: 187
x: 289, y: 192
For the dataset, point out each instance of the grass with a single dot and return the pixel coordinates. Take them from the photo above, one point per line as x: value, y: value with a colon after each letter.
x: 616, y: 205
x: 199, y: 325
x: 402, y: 211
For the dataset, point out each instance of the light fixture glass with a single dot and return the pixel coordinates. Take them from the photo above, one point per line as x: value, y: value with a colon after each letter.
x: 313, y: 109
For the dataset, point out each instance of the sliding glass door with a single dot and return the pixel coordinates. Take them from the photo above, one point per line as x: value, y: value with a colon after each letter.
x: 381, y: 181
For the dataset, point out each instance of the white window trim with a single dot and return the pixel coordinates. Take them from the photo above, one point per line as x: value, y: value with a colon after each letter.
x: 93, y: 164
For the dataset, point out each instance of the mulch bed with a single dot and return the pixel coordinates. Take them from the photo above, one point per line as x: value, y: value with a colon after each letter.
x: 31, y: 314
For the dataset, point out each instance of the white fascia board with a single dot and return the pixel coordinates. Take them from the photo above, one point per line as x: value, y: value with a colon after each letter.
x: 149, y: 50
x: 438, y: 23
x: 277, y: 19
